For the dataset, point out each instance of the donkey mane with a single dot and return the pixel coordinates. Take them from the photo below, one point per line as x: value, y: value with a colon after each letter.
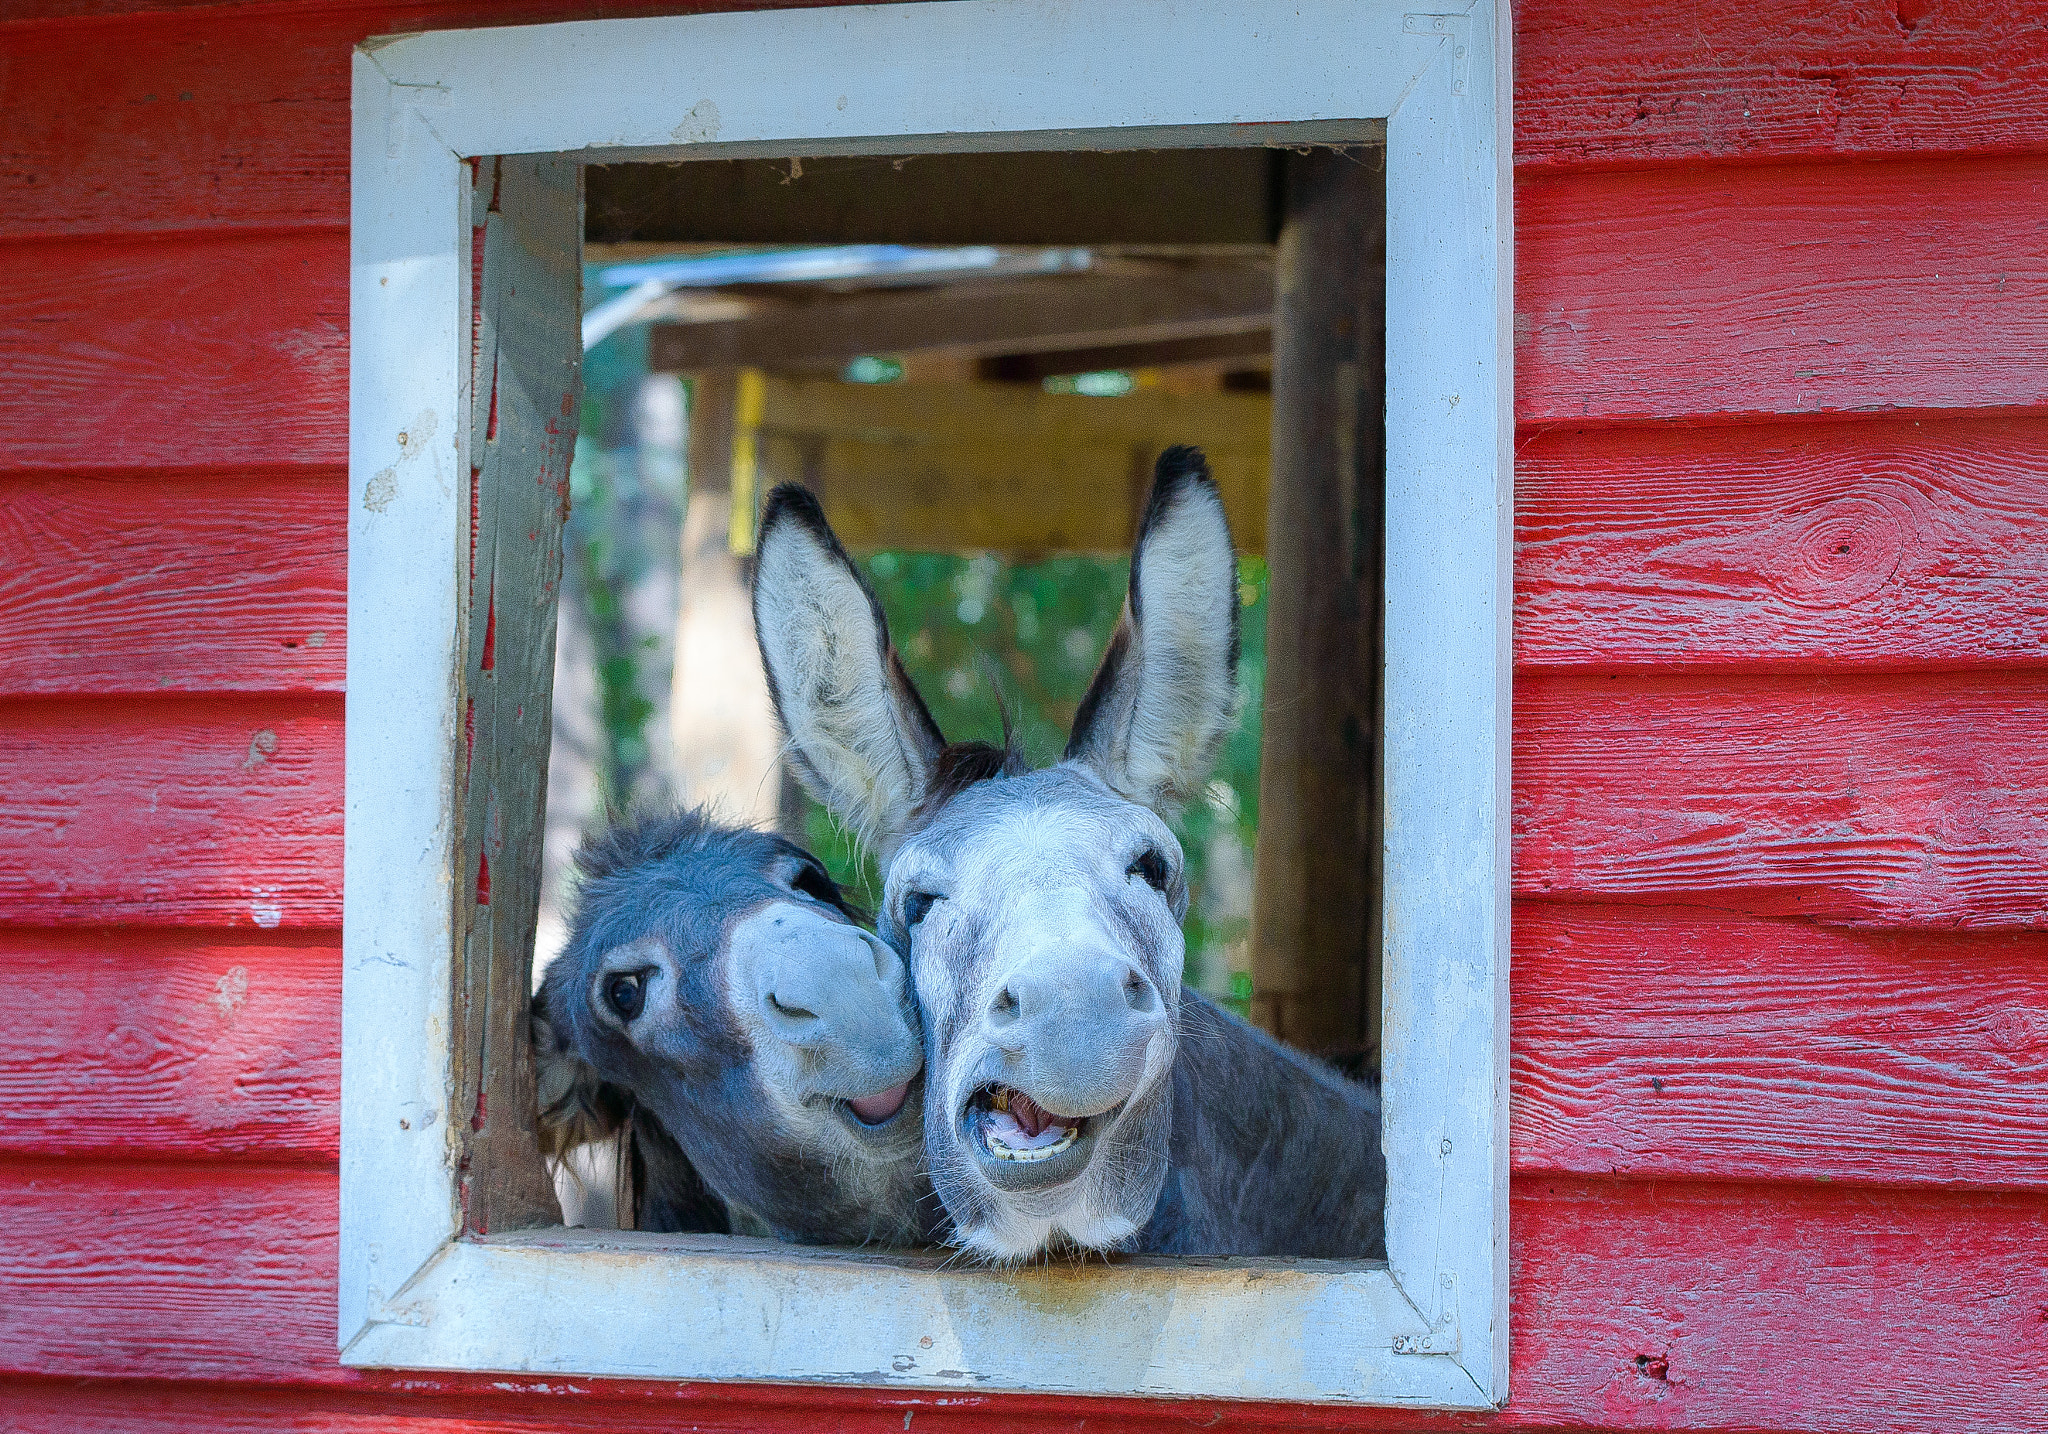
x: 963, y: 764
x: 636, y: 841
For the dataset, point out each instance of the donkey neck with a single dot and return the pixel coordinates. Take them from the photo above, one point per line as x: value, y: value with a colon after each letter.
x: 1272, y: 1152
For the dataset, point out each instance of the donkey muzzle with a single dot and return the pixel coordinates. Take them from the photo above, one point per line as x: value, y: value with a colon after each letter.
x: 835, y: 994
x: 1074, y: 1029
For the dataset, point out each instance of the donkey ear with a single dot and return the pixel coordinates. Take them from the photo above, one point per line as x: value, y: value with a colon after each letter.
x: 1165, y: 695
x: 577, y: 1106
x: 865, y: 743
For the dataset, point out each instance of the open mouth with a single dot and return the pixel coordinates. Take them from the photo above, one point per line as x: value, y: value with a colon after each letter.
x: 1011, y: 1126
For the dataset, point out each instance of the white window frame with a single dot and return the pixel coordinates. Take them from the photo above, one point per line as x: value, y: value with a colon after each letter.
x: 1428, y: 1328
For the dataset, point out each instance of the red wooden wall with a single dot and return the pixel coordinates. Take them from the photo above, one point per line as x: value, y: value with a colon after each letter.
x: 1780, y: 1139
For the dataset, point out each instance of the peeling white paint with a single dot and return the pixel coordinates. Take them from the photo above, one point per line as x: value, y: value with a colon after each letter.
x: 700, y: 125
x: 265, y: 909
x: 231, y: 992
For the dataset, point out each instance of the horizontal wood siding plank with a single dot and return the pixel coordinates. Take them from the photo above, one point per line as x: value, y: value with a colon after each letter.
x: 44, y: 1407
x: 1662, y: 1043
x: 1745, y: 291
x: 209, y: 582
x: 172, y: 812
x: 1660, y: 81
x: 1880, y: 543
x: 1893, y: 801
x: 225, y: 352
x: 177, y: 122
x: 165, y: 1045
x: 227, y: 117
x: 202, y: 1273
x: 1678, y: 1044
x: 148, y: 119
x: 1635, y: 1307
x: 1703, y: 1307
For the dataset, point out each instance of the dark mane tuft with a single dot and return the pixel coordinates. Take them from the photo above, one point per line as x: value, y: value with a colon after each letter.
x: 961, y: 765
x: 637, y: 840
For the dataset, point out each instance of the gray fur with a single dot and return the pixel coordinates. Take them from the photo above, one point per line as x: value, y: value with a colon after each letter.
x: 765, y: 1010
x: 1041, y: 915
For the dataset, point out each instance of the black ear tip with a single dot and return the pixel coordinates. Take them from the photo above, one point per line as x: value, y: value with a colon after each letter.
x: 1182, y: 463
x: 792, y: 502
x: 1181, y: 469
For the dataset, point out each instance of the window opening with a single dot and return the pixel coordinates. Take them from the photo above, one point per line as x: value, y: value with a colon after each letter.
x: 974, y: 360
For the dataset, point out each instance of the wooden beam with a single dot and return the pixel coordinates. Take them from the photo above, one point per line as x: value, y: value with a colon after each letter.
x: 1252, y: 345
x: 1174, y: 196
x: 1315, y: 927
x: 522, y: 433
x: 978, y: 466
x: 1002, y: 316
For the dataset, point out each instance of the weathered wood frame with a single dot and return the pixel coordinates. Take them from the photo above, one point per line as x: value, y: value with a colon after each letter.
x: 1426, y: 1329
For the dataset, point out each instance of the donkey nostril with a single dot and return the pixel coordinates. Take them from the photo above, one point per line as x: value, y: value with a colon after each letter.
x: 794, y: 1013
x: 1138, y: 992
x: 1003, y: 1010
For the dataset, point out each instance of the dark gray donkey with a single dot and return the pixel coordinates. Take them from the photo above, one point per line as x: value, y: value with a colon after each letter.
x: 717, y: 990
x: 1075, y: 1095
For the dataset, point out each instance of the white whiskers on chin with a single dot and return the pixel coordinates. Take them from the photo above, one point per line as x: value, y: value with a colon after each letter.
x: 1096, y: 1231
x: 1007, y: 1239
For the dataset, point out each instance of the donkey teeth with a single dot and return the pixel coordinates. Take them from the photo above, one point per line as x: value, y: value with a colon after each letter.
x: 1028, y: 1157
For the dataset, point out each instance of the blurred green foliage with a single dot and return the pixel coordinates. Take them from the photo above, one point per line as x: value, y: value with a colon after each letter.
x: 605, y: 550
x: 1039, y: 628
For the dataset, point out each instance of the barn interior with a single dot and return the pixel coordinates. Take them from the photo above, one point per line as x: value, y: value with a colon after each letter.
x: 974, y: 360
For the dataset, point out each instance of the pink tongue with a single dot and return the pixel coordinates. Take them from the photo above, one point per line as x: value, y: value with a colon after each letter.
x: 874, y: 1109
x: 1032, y: 1116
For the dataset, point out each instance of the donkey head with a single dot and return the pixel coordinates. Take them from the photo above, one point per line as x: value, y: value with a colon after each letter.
x: 715, y: 975
x: 1041, y: 910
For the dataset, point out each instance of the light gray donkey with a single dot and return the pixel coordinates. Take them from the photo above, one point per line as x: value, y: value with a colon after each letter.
x: 717, y: 992
x: 1076, y: 1096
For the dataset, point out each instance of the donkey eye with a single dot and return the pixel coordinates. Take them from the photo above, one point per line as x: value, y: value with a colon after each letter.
x: 816, y: 885
x: 916, y: 907
x: 627, y: 994
x: 1152, y: 867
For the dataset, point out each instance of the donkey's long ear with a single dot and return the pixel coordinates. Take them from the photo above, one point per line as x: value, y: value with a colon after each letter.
x: 577, y: 1106
x: 1165, y: 696
x: 866, y: 745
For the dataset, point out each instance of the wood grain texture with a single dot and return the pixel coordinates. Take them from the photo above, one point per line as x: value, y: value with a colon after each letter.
x: 124, y: 1270
x: 177, y: 122
x: 183, y: 812
x: 164, y: 1045
x: 1889, y: 543
x: 222, y: 117
x: 526, y: 367
x: 1895, y: 801
x: 208, y: 582
x: 1645, y: 1306
x: 1732, y: 1307
x: 1631, y: 82
x: 1672, y: 1044
x: 224, y: 352
x: 1725, y: 292
x: 253, y: 99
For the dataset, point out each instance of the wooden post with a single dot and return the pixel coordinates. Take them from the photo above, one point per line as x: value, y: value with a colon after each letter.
x: 527, y: 355
x: 728, y: 749
x: 1315, y: 925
